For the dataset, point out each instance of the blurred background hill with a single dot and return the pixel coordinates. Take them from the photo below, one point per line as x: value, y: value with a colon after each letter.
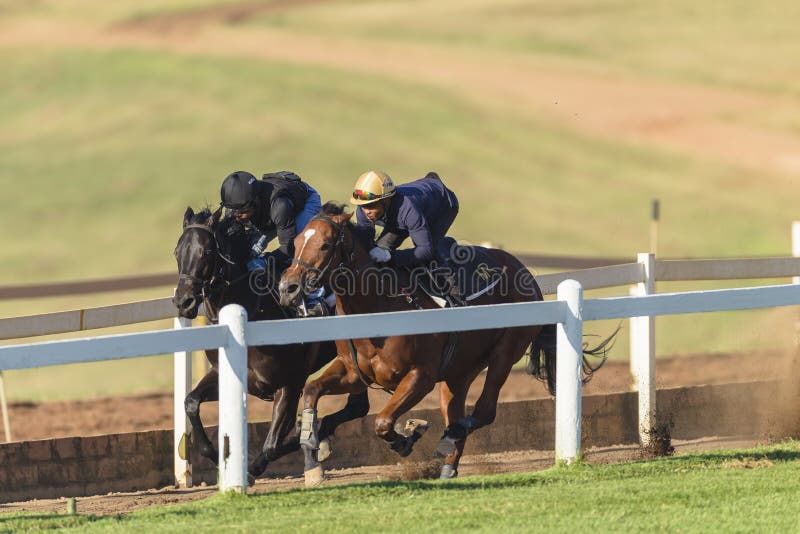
x: 555, y: 122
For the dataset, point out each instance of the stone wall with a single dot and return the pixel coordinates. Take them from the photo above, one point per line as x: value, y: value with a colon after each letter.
x: 143, y: 460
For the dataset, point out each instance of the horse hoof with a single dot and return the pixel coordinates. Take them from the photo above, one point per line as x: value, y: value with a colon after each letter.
x: 448, y: 472
x: 314, y: 477
x: 251, y: 480
x: 445, y: 447
x: 325, y: 450
x: 415, y: 425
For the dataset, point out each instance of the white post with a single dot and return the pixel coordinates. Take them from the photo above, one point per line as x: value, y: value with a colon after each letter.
x: 183, y: 384
x: 633, y: 329
x: 233, y: 402
x: 4, y: 406
x: 643, y: 353
x: 796, y: 279
x: 568, y: 373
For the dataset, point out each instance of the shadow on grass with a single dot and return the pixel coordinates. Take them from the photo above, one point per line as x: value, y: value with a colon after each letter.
x: 778, y: 454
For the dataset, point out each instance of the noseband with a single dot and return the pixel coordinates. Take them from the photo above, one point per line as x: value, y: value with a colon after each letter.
x: 339, y: 243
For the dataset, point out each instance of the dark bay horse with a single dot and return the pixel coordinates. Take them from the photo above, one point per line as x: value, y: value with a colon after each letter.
x: 212, y: 255
x: 410, y: 366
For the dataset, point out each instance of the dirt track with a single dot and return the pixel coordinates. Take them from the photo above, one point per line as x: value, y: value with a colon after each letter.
x: 154, y: 411
x: 141, y: 412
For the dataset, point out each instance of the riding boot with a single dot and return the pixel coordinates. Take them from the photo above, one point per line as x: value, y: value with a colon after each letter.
x: 452, y: 293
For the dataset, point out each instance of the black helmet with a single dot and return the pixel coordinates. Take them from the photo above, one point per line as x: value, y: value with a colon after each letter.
x: 237, y: 190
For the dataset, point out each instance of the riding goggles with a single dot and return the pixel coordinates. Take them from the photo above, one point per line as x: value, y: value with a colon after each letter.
x: 360, y: 194
x: 246, y: 209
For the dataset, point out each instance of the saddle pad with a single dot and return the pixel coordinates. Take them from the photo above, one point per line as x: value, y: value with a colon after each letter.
x: 471, y: 268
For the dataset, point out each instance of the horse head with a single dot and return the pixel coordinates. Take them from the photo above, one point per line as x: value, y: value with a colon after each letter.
x: 324, y: 246
x: 207, y: 254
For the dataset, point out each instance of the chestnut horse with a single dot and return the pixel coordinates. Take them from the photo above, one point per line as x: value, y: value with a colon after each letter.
x: 211, y: 256
x: 410, y: 366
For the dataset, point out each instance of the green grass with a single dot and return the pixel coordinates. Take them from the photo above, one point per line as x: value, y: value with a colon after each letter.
x: 719, y: 42
x: 751, y: 490
x: 102, y: 147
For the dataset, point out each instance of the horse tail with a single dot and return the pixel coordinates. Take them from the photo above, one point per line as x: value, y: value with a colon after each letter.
x: 542, y: 361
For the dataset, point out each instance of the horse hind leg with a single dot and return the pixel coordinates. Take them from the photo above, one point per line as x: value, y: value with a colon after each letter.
x: 452, y: 405
x: 206, y: 390
x: 505, y: 353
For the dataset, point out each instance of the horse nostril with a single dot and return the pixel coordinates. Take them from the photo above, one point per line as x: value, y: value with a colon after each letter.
x: 292, y: 289
x: 187, y: 303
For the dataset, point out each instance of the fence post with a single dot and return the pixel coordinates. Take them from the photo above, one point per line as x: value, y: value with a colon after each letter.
x: 4, y: 408
x: 633, y: 329
x: 180, y: 436
x: 796, y: 279
x: 233, y: 402
x: 643, y: 353
x: 568, y: 373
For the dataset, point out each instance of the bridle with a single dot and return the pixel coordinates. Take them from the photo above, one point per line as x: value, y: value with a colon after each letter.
x: 217, y: 282
x: 339, y: 245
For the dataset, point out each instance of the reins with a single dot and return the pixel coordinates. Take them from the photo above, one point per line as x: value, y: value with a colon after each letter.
x: 218, y: 282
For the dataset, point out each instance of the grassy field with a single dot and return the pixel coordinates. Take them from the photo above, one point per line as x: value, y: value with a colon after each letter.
x: 751, y: 490
x: 112, y: 124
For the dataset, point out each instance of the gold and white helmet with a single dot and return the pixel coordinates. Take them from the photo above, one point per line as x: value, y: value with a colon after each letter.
x: 371, y: 187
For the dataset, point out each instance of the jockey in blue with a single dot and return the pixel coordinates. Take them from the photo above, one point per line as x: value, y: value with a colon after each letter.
x: 423, y: 210
x: 279, y: 205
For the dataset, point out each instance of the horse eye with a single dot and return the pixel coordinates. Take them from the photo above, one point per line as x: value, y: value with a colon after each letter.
x: 325, y: 246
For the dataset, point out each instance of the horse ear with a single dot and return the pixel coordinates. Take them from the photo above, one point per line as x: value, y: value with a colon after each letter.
x: 343, y: 218
x: 187, y: 216
x: 216, y: 216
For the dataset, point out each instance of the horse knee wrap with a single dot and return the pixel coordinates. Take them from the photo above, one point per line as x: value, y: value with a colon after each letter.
x: 469, y: 423
x: 309, y: 429
x: 191, y: 405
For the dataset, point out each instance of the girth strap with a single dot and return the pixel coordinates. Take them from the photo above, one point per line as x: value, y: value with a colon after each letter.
x: 447, y: 356
x: 354, y: 357
x: 448, y: 352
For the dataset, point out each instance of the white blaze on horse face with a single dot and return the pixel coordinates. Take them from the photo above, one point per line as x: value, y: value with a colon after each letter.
x: 307, y: 234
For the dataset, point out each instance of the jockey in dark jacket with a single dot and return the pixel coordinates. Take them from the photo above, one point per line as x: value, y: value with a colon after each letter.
x: 279, y: 205
x: 423, y: 210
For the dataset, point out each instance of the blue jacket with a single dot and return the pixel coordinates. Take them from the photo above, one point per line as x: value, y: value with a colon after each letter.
x: 414, y: 211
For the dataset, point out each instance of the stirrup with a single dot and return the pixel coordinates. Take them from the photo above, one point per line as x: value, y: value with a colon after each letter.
x: 316, y: 308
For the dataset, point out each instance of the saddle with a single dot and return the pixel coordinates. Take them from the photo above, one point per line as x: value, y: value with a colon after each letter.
x: 460, y: 275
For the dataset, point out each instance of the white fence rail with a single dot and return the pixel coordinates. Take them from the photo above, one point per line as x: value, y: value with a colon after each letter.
x: 644, y: 273
x: 569, y: 311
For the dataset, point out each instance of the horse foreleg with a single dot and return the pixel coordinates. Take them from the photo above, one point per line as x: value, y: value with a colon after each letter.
x: 357, y: 407
x: 284, y: 411
x: 411, y: 389
x: 452, y: 402
x: 206, y: 390
x: 335, y: 380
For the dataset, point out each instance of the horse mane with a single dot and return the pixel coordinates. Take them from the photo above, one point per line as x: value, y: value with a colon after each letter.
x: 330, y: 209
x: 227, y: 232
